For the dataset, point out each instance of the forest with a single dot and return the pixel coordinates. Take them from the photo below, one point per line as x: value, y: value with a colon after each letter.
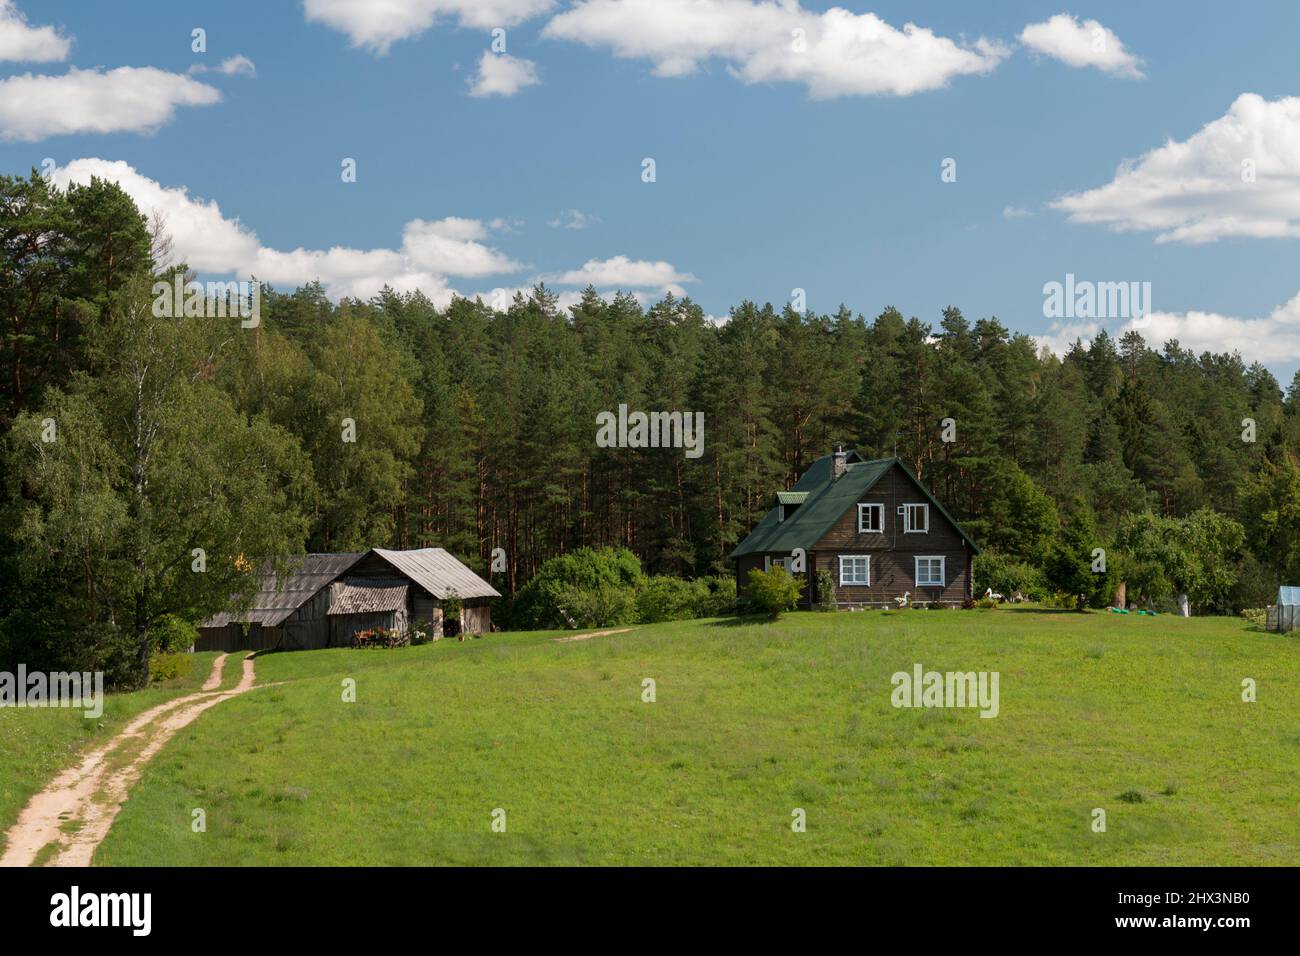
x: 150, y: 464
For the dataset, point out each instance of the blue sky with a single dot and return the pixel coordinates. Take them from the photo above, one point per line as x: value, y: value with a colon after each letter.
x: 769, y: 176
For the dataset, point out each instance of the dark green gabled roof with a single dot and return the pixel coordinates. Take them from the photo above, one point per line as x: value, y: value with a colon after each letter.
x: 824, y: 502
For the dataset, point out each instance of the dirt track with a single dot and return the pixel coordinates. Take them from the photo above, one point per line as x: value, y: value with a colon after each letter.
x: 77, y: 808
x: 590, y: 634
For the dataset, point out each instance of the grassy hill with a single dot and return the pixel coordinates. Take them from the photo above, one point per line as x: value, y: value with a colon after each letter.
x: 1142, y: 717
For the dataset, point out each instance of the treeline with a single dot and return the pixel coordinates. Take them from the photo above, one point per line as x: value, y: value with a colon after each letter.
x: 474, y: 429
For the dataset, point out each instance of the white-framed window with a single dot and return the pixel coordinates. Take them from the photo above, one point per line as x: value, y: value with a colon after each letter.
x: 930, y: 571
x: 916, y: 518
x: 871, y: 518
x: 855, y: 569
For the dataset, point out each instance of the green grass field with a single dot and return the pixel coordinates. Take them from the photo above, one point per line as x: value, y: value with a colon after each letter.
x: 1142, y: 717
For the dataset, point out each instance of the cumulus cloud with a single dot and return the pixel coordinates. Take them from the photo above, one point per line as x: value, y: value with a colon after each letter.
x: 237, y: 65
x: 1238, y: 176
x: 128, y: 99
x: 376, y: 25
x: 430, y: 254
x: 18, y: 41
x: 1077, y: 44
x: 451, y: 247
x: 500, y: 74
x: 624, y: 273
x: 212, y: 243
x: 1271, y: 340
x: 835, y: 53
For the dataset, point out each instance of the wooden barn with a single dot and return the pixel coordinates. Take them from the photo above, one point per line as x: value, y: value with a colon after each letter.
x: 328, y: 598
x: 873, y: 525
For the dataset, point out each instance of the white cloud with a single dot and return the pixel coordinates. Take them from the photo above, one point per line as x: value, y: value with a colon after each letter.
x: 451, y: 247
x: 624, y: 273
x: 18, y: 41
x: 500, y: 74
x: 211, y: 243
x: 237, y: 65
x: 572, y: 219
x: 127, y: 99
x: 1077, y: 44
x: 835, y: 53
x: 1271, y: 340
x: 431, y: 251
x: 377, y: 24
x: 1197, y: 191
x: 1015, y: 212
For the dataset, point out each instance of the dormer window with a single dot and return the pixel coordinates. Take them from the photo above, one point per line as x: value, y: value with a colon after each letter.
x: 916, y: 519
x: 788, y: 502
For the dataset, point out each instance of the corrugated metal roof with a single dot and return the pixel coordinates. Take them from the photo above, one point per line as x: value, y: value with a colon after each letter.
x: 1288, y: 594
x: 272, y: 604
x: 791, y: 497
x: 438, y: 572
x: 825, y: 503
x: 366, y: 595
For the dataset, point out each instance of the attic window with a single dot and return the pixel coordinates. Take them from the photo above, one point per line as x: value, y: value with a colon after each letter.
x: 916, y: 518
x: 871, y: 518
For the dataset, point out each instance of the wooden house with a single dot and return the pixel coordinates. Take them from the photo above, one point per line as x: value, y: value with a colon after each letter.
x: 328, y: 598
x: 873, y: 525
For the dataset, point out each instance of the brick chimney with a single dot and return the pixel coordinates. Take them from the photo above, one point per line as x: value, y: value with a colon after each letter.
x: 840, y: 463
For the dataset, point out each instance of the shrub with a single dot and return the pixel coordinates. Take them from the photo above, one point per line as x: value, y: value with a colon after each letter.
x: 580, y: 589
x: 1256, y: 585
x: 987, y: 604
x: 825, y: 588
x: 774, y: 591
x: 601, y: 606
x: 666, y: 598
x: 715, y: 596
x: 169, y: 666
x: 171, y: 634
x: 1256, y: 615
x: 1005, y: 575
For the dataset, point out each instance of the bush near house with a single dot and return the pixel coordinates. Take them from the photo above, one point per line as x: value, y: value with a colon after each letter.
x: 825, y: 590
x: 716, y: 596
x: 580, y: 589
x: 1005, y: 575
x: 772, y: 592
x: 607, y: 588
x: 666, y: 598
